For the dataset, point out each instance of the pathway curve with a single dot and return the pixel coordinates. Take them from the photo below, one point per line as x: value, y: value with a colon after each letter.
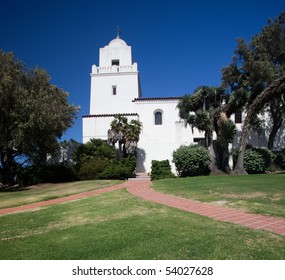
x: 141, y: 188
x: 273, y: 224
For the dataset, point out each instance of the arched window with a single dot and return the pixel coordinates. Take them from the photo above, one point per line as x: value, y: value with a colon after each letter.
x: 158, y: 118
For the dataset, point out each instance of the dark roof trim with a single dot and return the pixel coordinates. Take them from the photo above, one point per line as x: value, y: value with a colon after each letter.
x: 110, y: 115
x: 156, y: 98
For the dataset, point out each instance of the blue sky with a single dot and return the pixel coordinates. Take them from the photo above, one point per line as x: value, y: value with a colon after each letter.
x: 178, y: 44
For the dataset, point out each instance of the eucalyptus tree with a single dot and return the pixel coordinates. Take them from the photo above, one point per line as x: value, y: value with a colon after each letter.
x: 274, y: 90
x: 256, y: 66
x: 34, y: 114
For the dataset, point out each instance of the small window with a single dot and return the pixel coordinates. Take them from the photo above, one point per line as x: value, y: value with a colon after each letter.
x: 116, y: 62
x: 158, y: 118
x: 114, y: 90
x: 238, y: 117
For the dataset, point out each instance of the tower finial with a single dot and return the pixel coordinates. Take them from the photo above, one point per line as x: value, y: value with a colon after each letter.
x: 118, y: 31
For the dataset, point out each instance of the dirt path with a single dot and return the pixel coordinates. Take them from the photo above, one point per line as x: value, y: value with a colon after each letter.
x: 141, y: 188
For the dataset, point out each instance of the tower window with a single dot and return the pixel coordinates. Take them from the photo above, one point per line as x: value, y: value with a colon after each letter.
x: 116, y: 62
x: 238, y: 117
x: 114, y: 90
x: 158, y: 118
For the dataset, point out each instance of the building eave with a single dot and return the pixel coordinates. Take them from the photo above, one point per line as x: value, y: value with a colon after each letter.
x: 111, y: 115
x: 145, y: 99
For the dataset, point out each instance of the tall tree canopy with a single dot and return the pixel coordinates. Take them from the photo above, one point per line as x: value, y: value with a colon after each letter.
x: 258, y: 64
x: 33, y: 114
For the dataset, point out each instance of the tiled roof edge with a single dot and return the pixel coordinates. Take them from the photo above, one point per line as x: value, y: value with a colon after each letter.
x: 110, y: 115
x: 156, y: 98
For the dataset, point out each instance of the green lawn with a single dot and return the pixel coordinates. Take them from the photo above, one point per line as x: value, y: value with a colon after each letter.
x: 262, y: 194
x: 49, y: 191
x: 117, y: 225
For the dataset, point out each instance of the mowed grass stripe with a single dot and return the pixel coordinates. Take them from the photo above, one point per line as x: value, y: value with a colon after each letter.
x: 44, y: 192
x: 260, y: 194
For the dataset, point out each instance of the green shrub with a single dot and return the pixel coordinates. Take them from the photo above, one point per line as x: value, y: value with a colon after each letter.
x: 90, y: 168
x: 123, y: 169
x: 257, y: 160
x: 160, y: 170
x: 267, y: 156
x: 279, y: 159
x: 54, y: 173
x: 253, y: 162
x: 193, y: 160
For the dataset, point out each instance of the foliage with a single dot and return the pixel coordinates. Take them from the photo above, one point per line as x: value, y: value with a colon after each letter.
x: 253, y: 162
x: 96, y: 148
x: 123, y: 169
x: 53, y: 173
x: 90, y: 168
x: 192, y: 160
x: 209, y: 109
x: 97, y: 160
x: 126, y: 134
x: 279, y: 160
x: 226, y: 133
x: 275, y: 89
x: 258, y: 64
x: 256, y: 160
x: 160, y: 169
x: 34, y: 114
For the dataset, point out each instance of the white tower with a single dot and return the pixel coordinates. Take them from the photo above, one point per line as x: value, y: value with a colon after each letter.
x: 114, y: 85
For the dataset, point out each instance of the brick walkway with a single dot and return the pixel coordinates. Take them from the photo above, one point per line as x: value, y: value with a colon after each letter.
x: 276, y: 225
x: 141, y: 188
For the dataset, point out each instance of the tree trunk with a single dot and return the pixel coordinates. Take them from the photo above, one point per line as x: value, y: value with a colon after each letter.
x: 7, y: 176
x: 272, y: 136
x: 277, y: 88
x: 216, y: 165
x: 277, y: 122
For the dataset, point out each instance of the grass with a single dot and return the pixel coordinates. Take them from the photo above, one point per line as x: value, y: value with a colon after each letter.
x: 261, y: 194
x: 49, y: 191
x: 117, y: 225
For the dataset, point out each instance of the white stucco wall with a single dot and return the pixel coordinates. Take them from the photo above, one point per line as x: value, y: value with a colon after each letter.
x: 102, y: 100
x: 157, y: 142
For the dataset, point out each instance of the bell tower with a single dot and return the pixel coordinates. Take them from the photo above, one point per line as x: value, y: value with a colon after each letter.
x: 115, y: 82
x: 114, y: 85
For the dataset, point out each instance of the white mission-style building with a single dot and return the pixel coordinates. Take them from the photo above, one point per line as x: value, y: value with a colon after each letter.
x: 115, y: 89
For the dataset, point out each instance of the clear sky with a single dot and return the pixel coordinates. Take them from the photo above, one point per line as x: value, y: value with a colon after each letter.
x: 178, y: 45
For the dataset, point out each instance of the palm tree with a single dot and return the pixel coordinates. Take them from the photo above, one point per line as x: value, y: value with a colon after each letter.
x: 116, y: 133
x: 132, y: 136
x: 125, y: 134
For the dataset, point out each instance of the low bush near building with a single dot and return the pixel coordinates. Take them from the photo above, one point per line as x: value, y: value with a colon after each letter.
x: 257, y: 160
x: 123, y: 169
x: 279, y: 160
x: 193, y: 160
x: 253, y: 162
x: 160, y: 169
